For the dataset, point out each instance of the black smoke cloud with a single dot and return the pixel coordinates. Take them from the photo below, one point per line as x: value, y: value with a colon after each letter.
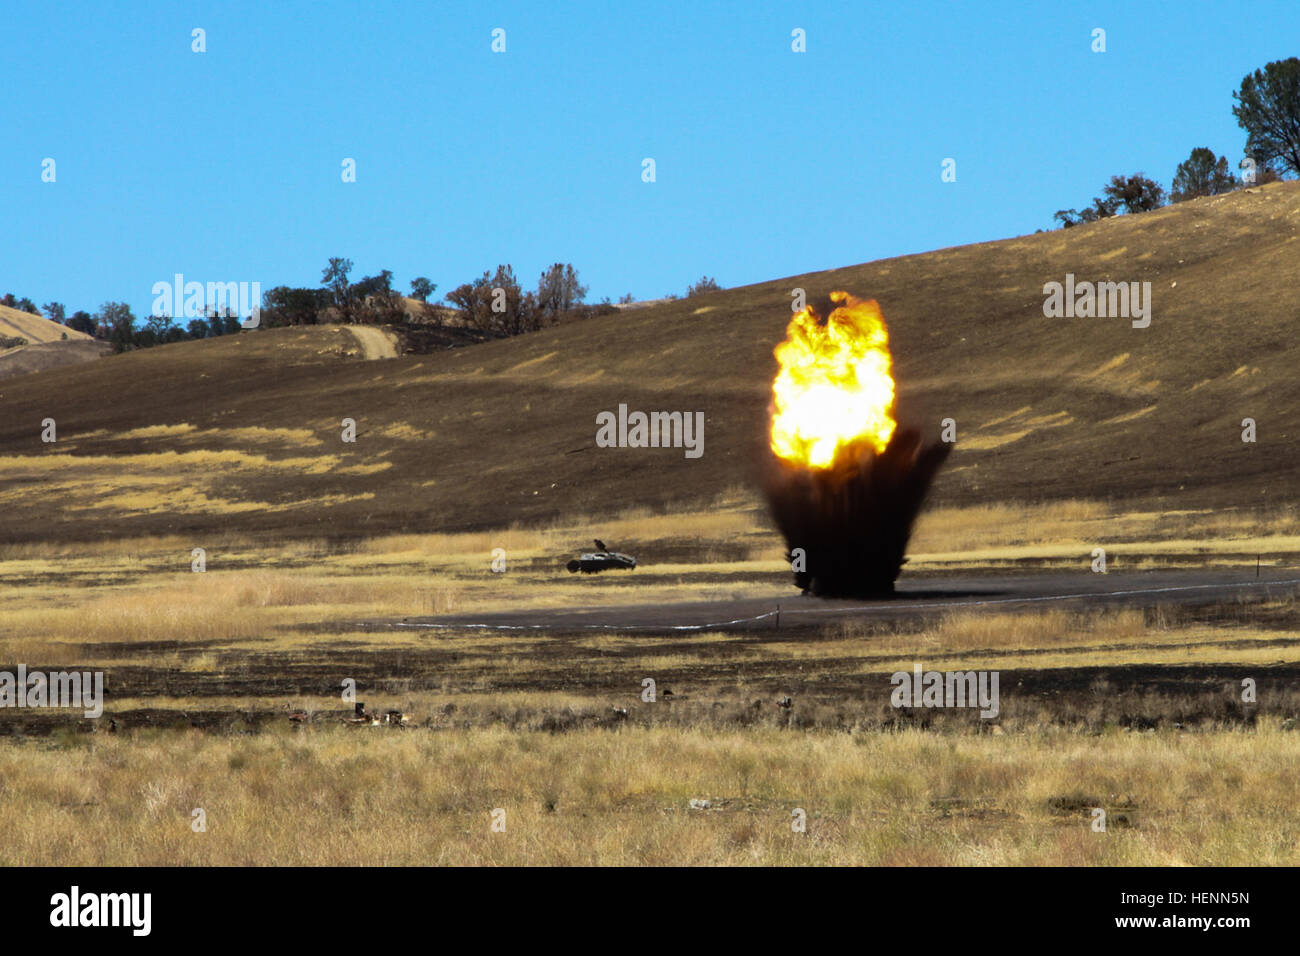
x: 853, y: 520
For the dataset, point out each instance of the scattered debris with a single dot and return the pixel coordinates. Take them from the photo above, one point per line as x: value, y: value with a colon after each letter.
x: 372, y: 718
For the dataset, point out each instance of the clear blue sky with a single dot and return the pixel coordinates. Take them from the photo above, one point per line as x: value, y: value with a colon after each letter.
x: 226, y: 165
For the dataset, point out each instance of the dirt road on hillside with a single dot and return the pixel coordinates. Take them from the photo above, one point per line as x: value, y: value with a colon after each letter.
x: 375, y: 343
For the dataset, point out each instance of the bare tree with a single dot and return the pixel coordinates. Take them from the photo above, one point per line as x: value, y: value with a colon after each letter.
x: 558, y: 291
x: 335, y: 278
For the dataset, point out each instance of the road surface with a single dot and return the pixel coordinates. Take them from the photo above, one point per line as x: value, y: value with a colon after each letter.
x: 375, y: 343
x: 916, y: 596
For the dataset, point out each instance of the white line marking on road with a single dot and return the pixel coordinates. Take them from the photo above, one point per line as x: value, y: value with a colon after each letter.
x: 561, y: 626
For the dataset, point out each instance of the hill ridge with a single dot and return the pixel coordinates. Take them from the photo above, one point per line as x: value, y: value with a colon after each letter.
x: 502, y: 432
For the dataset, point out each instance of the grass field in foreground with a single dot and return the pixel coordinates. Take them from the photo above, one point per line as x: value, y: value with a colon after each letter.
x: 1134, y: 711
x: 594, y: 797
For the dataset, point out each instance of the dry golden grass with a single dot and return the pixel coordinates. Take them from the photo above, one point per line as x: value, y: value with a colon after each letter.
x: 1073, y: 524
x: 405, y: 431
x: 330, y: 795
x: 962, y: 631
x: 15, y: 323
x: 165, y: 548
x: 733, y: 531
x: 986, y: 526
x: 124, y: 591
x: 1034, y: 639
x: 179, y: 466
x: 366, y: 798
x: 214, y: 606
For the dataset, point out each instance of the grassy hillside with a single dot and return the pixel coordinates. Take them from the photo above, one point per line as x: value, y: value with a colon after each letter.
x: 49, y: 344
x: 25, y: 359
x: 14, y: 323
x: 242, y: 434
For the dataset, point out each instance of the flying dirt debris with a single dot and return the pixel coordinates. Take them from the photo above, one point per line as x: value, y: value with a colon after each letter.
x: 845, y: 483
x: 602, y: 559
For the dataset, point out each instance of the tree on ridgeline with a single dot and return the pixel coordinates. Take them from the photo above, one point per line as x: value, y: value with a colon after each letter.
x: 154, y: 332
x: 422, y: 288
x: 558, y: 291
x: 472, y: 303
x: 334, y: 277
x: 495, y: 304
x: 1135, y: 193
x: 223, y: 321
x: 706, y: 284
x: 371, y: 300
x: 1268, y: 109
x: 1201, y: 174
x: 55, y: 312
x: 513, y: 311
x: 375, y: 302
x: 1100, y: 209
x: 81, y: 321
x: 116, y: 322
x: 285, y: 305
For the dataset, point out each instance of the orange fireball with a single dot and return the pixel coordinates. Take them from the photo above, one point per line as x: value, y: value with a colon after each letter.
x: 834, y: 389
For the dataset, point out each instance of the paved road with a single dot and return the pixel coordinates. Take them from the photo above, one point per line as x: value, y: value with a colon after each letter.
x: 916, y: 596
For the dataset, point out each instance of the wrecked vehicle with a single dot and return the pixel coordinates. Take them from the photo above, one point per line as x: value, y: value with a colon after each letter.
x: 602, y: 559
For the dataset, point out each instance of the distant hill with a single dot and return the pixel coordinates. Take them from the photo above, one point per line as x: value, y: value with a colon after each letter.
x: 242, y: 433
x: 47, y: 355
x: 49, y: 344
x: 14, y: 323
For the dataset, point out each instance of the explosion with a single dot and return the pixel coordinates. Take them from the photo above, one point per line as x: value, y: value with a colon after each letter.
x: 847, y: 482
x: 834, y: 389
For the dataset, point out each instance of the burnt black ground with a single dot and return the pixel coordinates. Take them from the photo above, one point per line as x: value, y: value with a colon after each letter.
x: 504, y: 432
x: 446, y: 685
